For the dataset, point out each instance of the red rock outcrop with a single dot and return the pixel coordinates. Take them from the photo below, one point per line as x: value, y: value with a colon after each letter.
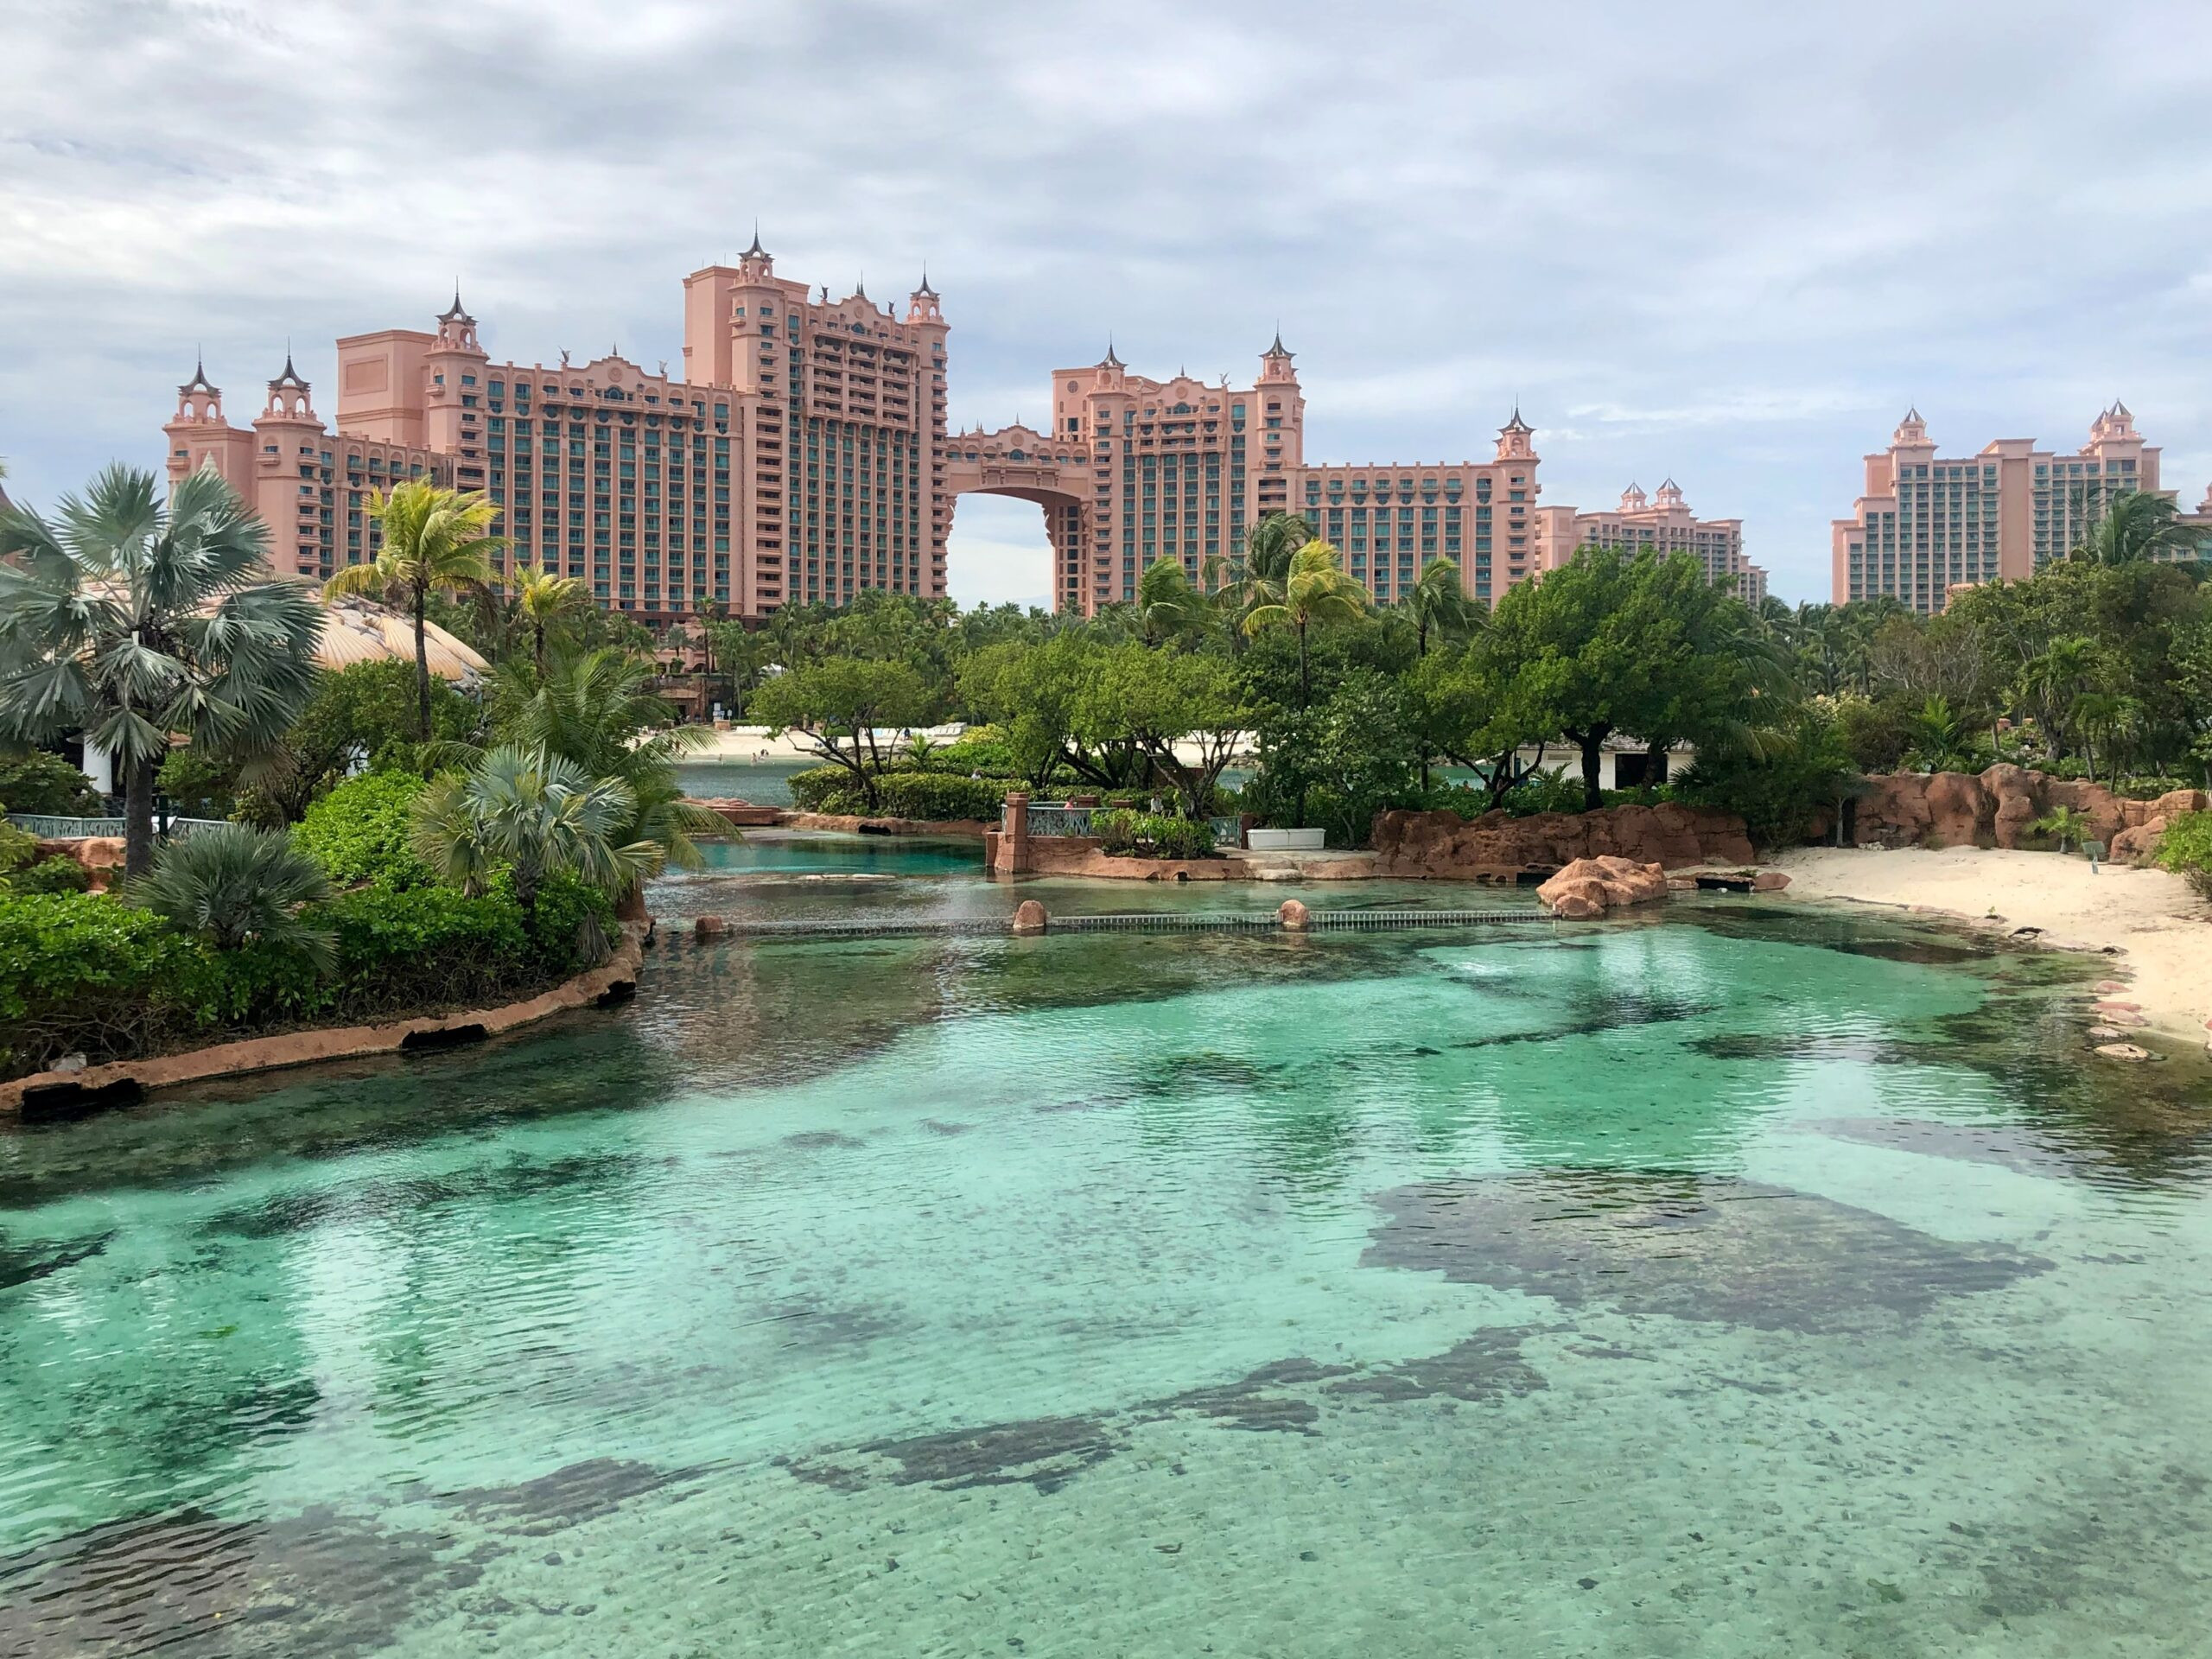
x: 1591, y: 886
x: 1498, y: 848
x: 1995, y: 808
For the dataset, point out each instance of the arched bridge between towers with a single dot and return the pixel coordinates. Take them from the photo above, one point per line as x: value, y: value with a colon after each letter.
x: 1032, y: 467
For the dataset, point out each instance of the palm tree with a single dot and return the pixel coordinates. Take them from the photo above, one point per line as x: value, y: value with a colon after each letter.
x: 1255, y: 577
x: 1440, y: 606
x: 2136, y: 525
x: 1314, y: 590
x: 129, y: 621
x: 2105, y: 720
x: 233, y: 886
x: 595, y: 711
x: 541, y: 599
x: 537, y: 814
x: 2052, y: 680
x: 436, y: 540
x: 1938, y: 734
x: 1167, y: 603
x: 2062, y: 822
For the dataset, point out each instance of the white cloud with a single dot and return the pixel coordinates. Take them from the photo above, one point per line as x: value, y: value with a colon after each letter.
x: 1727, y: 241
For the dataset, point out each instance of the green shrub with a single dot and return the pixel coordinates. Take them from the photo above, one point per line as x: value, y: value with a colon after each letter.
x: 1546, y: 791
x: 59, y: 873
x: 1780, y: 797
x: 17, y: 847
x: 2186, y: 849
x: 40, y: 783
x: 358, y: 832
x: 404, y: 948
x: 900, y: 794
x: 981, y: 749
x: 81, y: 972
x: 1145, y: 835
x: 197, y: 784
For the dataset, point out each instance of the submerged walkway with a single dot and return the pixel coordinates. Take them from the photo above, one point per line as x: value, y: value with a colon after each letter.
x: 1292, y: 917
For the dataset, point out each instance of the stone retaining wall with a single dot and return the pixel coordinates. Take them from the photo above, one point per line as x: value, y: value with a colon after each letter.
x: 61, y: 1092
x: 1499, y: 848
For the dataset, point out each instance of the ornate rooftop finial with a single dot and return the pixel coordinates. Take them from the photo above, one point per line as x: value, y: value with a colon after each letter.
x: 860, y: 286
x: 1276, y: 348
x: 1110, y: 361
x: 199, y: 382
x: 1912, y: 416
x: 1516, y: 424
x: 756, y: 251
x: 925, y: 291
x: 454, y: 312
x: 290, y: 377
x: 2120, y: 410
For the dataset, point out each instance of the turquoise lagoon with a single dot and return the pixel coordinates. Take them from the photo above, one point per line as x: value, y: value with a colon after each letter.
x: 1743, y: 1282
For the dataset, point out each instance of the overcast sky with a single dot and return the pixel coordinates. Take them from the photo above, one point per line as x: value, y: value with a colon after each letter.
x: 1727, y: 242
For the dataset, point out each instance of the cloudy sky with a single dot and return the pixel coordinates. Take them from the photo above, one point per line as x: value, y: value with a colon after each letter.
x: 1726, y: 242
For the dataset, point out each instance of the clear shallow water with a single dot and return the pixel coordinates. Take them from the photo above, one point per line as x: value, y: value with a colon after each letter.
x: 766, y: 783
x: 1733, y: 1284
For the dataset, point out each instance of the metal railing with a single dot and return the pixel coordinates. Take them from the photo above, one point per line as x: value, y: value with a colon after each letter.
x: 50, y: 827
x: 1056, y: 818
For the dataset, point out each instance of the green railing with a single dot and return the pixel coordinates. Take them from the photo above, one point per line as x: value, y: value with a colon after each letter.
x: 50, y: 827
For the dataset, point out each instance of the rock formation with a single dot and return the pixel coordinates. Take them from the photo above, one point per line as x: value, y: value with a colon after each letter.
x: 1995, y: 808
x: 1591, y: 886
x: 1499, y: 848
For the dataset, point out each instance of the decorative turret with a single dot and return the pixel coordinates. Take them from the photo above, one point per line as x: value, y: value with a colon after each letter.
x: 1276, y: 362
x: 288, y: 396
x: 1632, y: 498
x: 1514, y: 439
x: 755, y: 264
x: 1912, y: 431
x: 1670, y: 495
x: 456, y: 328
x: 2112, y: 425
x: 200, y: 399
x: 921, y: 304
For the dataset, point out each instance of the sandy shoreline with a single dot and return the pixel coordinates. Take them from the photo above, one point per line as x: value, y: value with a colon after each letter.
x: 2164, y: 929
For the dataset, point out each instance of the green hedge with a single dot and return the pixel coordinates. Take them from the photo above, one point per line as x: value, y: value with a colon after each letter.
x: 1145, y: 835
x: 358, y: 832
x: 86, y: 973
x: 936, y: 796
x: 82, y: 973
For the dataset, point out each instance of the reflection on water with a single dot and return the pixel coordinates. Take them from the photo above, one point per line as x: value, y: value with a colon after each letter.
x: 1730, y: 1283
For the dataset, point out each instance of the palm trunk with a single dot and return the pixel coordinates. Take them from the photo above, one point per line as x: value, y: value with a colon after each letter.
x: 137, y: 817
x: 538, y: 648
x: 421, y: 666
x: 1305, y: 674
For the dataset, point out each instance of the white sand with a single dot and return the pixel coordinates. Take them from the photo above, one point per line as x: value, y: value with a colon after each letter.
x: 2164, y: 929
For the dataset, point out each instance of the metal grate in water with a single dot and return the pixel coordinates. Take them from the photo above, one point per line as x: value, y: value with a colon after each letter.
x: 1198, y: 921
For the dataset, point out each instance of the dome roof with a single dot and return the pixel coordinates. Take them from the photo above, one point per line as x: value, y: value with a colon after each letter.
x: 360, y: 631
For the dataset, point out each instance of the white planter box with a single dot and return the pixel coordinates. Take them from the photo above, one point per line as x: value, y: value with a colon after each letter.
x: 1284, y: 840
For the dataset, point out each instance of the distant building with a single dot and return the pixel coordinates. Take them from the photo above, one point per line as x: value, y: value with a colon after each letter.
x: 803, y: 457
x: 1926, y: 526
x: 802, y: 460
x: 1661, y: 524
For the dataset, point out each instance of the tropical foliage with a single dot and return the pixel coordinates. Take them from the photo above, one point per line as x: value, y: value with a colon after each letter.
x: 436, y: 540
x: 128, y: 620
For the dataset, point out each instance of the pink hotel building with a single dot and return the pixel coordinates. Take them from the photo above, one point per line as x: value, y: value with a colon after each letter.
x: 804, y: 457
x: 1927, y: 525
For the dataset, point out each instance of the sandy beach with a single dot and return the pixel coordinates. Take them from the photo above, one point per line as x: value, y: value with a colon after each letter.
x: 2164, y: 929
